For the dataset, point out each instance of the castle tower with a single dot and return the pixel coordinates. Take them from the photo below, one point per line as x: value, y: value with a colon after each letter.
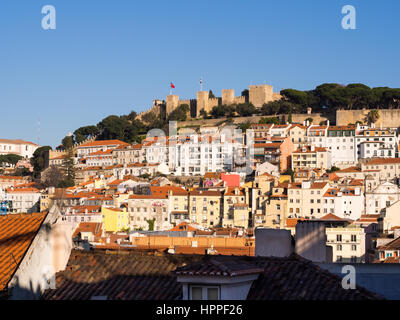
x: 202, y: 101
x: 228, y: 96
x: 172, y: 103
x: 260, y: 94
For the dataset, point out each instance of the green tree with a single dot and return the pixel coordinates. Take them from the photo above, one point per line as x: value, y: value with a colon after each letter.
x: 151, y: 223
x: 10, y: 158
x: 86, y: 132
x: 289, y: 172
x: 310, y: 120
x: 203, y: 113
x: 246, y: 109
x: 274, y: 120
x: 332, y: 169
x: 69, y: 169
x: 180, y: 113
x: 244, y: 126
x: 372, y: 116
x: 39, y: 158
x: 68, y: 142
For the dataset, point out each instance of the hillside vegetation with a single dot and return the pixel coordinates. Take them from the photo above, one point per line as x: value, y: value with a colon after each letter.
x: 325, y: 98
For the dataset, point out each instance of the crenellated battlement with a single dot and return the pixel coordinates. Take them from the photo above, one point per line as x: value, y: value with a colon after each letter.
x: 258, y: 95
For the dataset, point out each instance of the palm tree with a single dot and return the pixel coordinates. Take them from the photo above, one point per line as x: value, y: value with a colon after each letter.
x: 372, y: 116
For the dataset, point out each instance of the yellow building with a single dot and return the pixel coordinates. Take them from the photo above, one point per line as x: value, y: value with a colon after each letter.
x: 114, y: 219
x: 235, y: 215
x: 45, y: 201
x: 298, y: 135
x: 205, y: 207
x: 179, y: 206
x: 305, y: 199
x: 309, y: 157
x: 274, y: 209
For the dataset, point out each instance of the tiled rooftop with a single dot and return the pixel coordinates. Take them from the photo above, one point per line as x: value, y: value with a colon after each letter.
x: 149, y: 276
x: 16, y: 235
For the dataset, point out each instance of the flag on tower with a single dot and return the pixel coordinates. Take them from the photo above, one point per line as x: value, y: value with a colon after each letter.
x: 172, y: 85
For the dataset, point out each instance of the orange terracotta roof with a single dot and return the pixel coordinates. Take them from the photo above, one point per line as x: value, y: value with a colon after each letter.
x: 99, y: 143
x: 308, y: 150
x: 384, y: 161
x: 101, y: 152
x: 11, y: 178
x: 184, y: 226
x: 350, y: 169
x: 272, y: 145
x: 17, y: 232
x: 331, y: 216
x: 94, y: 227
x: 315, y: 185
x: 148, y: 196
x: 291, y: 222
x: 23, y: 190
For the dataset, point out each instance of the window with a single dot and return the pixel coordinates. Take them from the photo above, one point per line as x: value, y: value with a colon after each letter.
x: 339, y: 247
x: 353, y: 247
x: 204, y: 293
x: 338, y: 237
x: 353, y: 238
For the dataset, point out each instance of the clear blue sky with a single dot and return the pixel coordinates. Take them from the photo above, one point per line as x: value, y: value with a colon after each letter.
x: 111, y: 57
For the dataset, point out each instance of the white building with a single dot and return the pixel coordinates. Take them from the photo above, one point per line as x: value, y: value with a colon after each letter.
x: 143, y: 208
x: 340, y: 141
x: 376, y: 142
x: 344, y: 202
x: 349, y: 244
x: 382, y: 197
x: 23, y: 200
x: 101, y: 145
x: 375, y: 149
x: 19, y: 147
x: 195, y: 155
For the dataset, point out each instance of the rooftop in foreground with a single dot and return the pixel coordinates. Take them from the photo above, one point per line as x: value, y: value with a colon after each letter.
x: 147, y: 275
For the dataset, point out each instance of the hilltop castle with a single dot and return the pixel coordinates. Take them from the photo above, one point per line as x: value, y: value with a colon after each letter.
x: 258, y: 95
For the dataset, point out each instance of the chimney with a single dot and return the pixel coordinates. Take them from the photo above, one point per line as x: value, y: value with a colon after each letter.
x: 273, y: 242
x: 327, y: 123
x: 307, y: 123
x: 306, y: 185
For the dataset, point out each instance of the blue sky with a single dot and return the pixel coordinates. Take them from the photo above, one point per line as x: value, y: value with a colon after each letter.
x: 111, y: 57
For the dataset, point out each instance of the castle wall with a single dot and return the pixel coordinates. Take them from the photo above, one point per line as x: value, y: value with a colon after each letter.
x: 260, y: 94
x: 212, y: 103
x: 202, y: 101
x: 228, y: 96
x: 239, y: 100
x: 387, y: 117
x: 172, y: 103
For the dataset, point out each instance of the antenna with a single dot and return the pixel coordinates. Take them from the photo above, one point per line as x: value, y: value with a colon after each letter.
x: 39, y: 131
